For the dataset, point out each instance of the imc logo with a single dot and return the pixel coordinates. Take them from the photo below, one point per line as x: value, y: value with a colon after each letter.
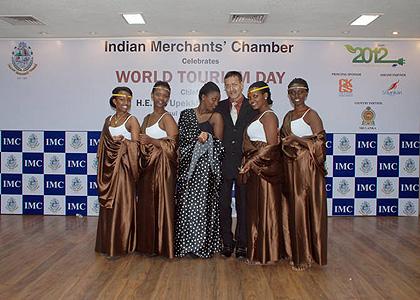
x: 76, y: 205
x: 11, y: 184
x: 11, y: 141
x: 92, y: 185
x: 409, y: 188
x: 366, y: 144
x: 54, y: 184
x: 329, y: 186
x: 93, y: 141
x: 54, y: 141
x: 365, y: 187
x: 388, y: 166
x: 329, y: 144
x: 345, y: 87
x: 33, y: 163
x: 343, y: 207
x: 33, y: 205
x: 409, y: 144
x: 393, y: 89
x: 387, y: 207
x: 76, y: 163
x: 343, y: 166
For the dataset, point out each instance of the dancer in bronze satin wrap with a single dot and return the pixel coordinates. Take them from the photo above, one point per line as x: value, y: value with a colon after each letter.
x: 117, y: 176
x: 261, y: 172
x: 156, y: 189
x: 303, y: 144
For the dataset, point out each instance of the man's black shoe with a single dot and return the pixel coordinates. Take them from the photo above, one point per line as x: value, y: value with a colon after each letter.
x: 227, y: 251
x: 240, y: 253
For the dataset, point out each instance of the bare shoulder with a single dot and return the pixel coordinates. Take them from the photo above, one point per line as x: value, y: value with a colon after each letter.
x: 313, y: 115
x: 269, y: 117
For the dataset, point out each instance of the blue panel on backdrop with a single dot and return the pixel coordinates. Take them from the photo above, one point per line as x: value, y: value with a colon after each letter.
x: 33, y: 205
x: 76, y: 205
x: 387, y: 207
x: 54, y: 184
x: 365, y: 187
x: 409, y: 188
x: 388, y: 166
x: 93, y: 141
x: 329, y: 186
x: 409, y: 144
x: 11, y: 141
x: 343, y: 166
x: 329, y: 144
x: 11, y: 184
x: 33, y: 163
x: 54, y: 141
x: 366, y: 144
x: 92, y: 186
x: 76, y: 163
x: 343, y: 207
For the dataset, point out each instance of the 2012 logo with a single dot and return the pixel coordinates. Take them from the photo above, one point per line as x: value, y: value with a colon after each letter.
x: 377, y: 55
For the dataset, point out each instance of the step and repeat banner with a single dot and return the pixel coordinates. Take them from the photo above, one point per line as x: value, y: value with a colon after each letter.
x: 55, y: 97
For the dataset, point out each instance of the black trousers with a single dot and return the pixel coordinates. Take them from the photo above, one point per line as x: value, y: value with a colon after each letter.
x: 226, y: 214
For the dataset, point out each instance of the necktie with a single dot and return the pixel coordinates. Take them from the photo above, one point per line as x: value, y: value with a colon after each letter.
x: 234, y: 113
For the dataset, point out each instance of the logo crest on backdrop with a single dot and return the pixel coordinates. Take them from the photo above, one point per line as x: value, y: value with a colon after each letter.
x: 410, y: 166
x: 32, y: 141
x: 368, y: 117
x: 409, y: 208
x: 11, y: 162
x: 76, y: 184
x: 343, y: 187
x: 366, y: 208
x: 95, y: 206
x: 54, y: 205
x: 22, y: 59
x: 388, y: 187
x: 76, y: 141
x: 388, y: 144
x: 344, y: 144
x: 366, y: 166
x: 32, y: 184
x: 54, y: 162
x: 11, y: 204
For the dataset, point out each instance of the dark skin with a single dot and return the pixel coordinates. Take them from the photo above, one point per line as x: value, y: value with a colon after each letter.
x: 206, y: 109
x: 122, y: 107
x: 258, y: 101
x: 297, y: 95
x: 160, y: 97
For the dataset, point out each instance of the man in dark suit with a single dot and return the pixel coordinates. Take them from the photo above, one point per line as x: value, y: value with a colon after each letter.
x: 237, y: 114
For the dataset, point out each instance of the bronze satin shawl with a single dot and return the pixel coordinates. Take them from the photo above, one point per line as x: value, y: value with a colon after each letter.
x: 306, y: 195
x: 117, y: 164
x: 264, y: 202
x: 156, y: 193
x: 117, y: 176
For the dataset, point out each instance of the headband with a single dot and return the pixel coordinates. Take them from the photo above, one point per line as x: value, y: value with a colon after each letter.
x: 297, y: 88
x: 121, y: 95
x: 258, y: 89
x: 162, y: 87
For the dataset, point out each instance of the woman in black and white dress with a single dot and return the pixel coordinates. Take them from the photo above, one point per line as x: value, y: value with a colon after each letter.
x: 197, y: 229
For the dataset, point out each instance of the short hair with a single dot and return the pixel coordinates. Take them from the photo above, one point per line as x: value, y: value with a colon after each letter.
x: 207, y: 89
x: 162, y: 84
x: 233, y: 74
x: 299, y: 81
x: 117, y: 90
x: 260, y: 84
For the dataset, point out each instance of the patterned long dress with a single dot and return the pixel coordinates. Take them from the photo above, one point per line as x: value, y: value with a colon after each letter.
x: 197, y: 229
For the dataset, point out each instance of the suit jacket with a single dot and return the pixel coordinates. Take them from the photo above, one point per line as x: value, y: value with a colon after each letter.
x: 233, y: 135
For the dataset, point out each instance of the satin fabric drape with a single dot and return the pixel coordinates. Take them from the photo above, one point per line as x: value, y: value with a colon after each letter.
x: 265, y: 206
x: 156, y: 197
x: 116, y: 179
x: 305, y: 181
